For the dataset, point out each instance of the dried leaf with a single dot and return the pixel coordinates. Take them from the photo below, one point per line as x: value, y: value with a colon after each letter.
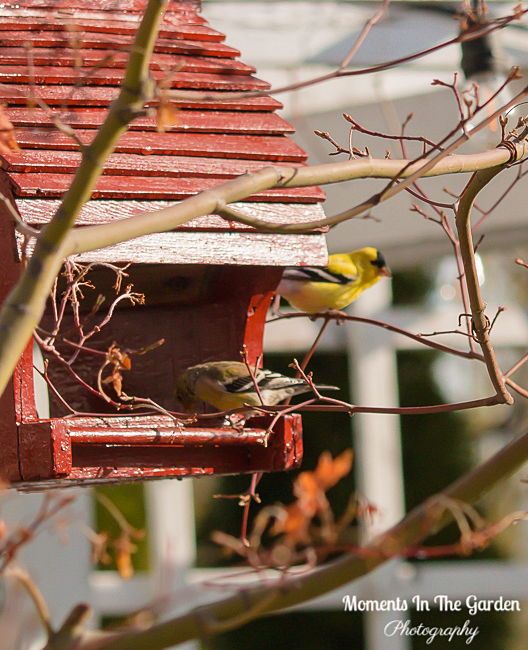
x: 310, y: 488
x: 8, y: 143
x: 99, y: 545
x: 117, y: 382
x: 167, y: 115
x: 124, y: 549
x: 518, y: 10
x: 118, y: 361
x: 330, y: 471
x: 295, y: 524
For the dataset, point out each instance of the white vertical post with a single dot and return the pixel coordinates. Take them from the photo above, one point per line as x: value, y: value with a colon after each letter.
x: 172, y: 537
x: 374, y: 382
x: 379, y: 475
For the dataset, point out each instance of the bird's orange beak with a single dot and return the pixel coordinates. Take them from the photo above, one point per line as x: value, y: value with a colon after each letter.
x: 385, y: 271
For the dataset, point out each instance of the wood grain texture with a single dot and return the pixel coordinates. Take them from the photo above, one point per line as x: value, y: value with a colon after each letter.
x: 175, y: 14
x: 177, y: 29
x: 61, y: 39
x: 66, y: 57
x: 123, y: 164
x: 235, y: 248
x: 167, y: 436
x: 181, y: 6
x: 151, y: 187
x: 17, y: 94
x: 10, y: 400
x: 52, y: 75
x: 231, y: 453
x: 38, y: 211
x: 273, y: 148
x: 45, y: 450
x: 226, y: 122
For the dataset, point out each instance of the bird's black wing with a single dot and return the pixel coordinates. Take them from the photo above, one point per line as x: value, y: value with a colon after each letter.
x: 240, y: 384
x: 314, y: 274
x: 266, y: 380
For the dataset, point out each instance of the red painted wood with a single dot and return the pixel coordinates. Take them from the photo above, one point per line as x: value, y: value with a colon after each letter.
x: 66, y: 162
x: 227, y: 122
x: 164, y: 436
x: 135, y: 187
x: 176, y: 29
x: 10, y: 399
x: 14, y: 38
x: 250, y: 147
x: 182, y: 6
x: 128, y: 447
x: 37, y: 212
x: 18, y: 56
x: 9, y: 466
x: 170, y: 17
x: 45, y: 450
x: 103, y: 95
x: 284, y: 451
x: 113, y: 77
x: 187, y: 305
x: 83, y: 25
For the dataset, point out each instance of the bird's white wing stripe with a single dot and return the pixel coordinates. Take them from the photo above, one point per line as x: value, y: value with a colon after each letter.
x: 266, y: 380
x: 313, y: 274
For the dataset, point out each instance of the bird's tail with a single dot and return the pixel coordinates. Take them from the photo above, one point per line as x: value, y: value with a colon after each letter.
x: 303, y: 387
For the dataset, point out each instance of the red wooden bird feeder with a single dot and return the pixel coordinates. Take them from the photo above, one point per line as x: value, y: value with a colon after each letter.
x: 207, y: 285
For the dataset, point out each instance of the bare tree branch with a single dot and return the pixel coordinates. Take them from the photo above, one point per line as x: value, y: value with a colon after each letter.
x: 420, y: 523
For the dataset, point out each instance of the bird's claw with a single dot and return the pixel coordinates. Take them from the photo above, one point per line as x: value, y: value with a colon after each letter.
x: 338, y: 314
x: 236, y: 421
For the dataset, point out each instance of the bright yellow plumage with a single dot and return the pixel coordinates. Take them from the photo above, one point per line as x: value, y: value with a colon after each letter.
x: 335, y: 286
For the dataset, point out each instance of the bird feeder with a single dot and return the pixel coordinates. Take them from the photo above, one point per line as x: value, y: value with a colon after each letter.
x: 207, y: 284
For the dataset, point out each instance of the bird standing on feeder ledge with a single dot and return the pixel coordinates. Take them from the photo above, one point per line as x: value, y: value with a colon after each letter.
x: 312, y: 289
x: 227, y: 385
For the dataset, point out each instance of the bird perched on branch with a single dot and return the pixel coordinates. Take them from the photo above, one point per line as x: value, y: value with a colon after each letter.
x: 228, y: 385
x: 314, y: 289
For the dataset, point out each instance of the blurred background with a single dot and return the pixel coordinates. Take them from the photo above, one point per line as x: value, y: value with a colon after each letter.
x: 399, y: 461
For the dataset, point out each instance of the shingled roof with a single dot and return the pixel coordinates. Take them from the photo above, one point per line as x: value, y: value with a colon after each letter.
x: 71, y: 54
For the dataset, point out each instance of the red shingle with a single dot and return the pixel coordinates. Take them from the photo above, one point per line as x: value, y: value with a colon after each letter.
x: 74, y: 61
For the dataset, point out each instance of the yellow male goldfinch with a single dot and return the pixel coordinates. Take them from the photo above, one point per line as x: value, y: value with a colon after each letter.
x: 228, y: 385
x: 313, y: 289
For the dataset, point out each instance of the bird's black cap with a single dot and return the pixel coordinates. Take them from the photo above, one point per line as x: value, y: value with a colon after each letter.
x: 379, y: 261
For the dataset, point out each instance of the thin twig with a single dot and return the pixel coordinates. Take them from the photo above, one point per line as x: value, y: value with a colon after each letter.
x: 36, y: 596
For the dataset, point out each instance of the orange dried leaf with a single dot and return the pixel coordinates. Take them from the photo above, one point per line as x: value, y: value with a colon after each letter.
x: 123, y: 551
x: 330, y: 471
x: 126, y: 361
x: 8, y: 143
x: 294, y: 525
x: 117, y: 382
x: 167, y: 116
x: 118, y: 358
x: 309, y: 495
x: 119, y: 361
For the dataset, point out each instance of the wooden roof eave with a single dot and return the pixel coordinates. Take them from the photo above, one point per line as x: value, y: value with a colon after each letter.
x: 205, y: 240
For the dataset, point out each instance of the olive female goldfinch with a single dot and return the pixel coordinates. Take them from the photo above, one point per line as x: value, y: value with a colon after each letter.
x: 313, y: 289
x: 228, y: 385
